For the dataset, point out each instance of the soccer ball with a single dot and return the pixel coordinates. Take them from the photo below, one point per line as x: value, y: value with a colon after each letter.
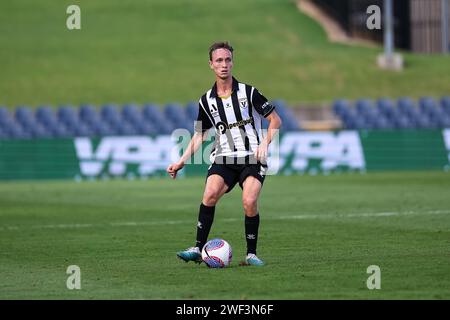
x: 217, y: 253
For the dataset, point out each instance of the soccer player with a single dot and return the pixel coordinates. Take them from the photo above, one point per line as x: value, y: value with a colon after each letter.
x: 239, y: 156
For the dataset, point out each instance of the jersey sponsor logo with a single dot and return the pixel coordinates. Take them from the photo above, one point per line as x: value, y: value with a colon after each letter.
x: 222, y: 126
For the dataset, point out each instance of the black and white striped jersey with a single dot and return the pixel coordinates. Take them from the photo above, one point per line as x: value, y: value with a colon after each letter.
x: 237, y: 119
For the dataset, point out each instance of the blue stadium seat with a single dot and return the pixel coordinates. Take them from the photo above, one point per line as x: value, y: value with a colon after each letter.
x: 111, y: 115
x: 67, y: 116
x: 39, y: 132
x: 24, y: 116
x: 4, y: 115
x: 177, y: 115
x: 146, y: 128
x: 6, y: 121
x: 444, y: 122
x: 382, y: 123
x: 152, y: 114
x: 385, y: 107
x: 445, y: 105
x: 101, y: 129
x: 406, y: 106
x: 15, y: 131
x: 427, y: 105
x: 192, y: 111
x: 364, y: 106
x: 88, y: 115
x: 82, y: 130
x: 402, y: 122
x: 355, y: 123
x: 126, y: 129
x: 46, y: 117
x: 60, y: 131
x: 131, y: 113
x: 422, y: 122
x: 340, y: 107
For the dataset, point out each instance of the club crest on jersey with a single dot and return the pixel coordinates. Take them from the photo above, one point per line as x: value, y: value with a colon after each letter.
x: 243, y: 103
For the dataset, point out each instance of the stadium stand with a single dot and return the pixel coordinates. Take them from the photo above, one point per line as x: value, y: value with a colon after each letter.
x: 149, y: 119
x: 426, y: 113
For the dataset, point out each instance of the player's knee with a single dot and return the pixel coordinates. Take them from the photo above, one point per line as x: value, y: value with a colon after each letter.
x: 249, y: 203
x: 210, y: 197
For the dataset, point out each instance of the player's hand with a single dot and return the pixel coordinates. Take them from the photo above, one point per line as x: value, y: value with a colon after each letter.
x: 261, y: 152
x: 173, y: 169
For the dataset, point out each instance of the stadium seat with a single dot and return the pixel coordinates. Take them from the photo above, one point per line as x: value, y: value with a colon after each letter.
x: 15, y: 131
x: 146, y: 128
x: 46, y: 117
x: 340, y: 107
x: 111, y: 115
x: 177, y: 115
x: 24, y: 116
x: 126, y: 129
x: 383, y: 123
x: 60, y: 131
x: 402, y: 122
x: 88, y: 115
x: 385, y: 107
x: 406, y: 106
x: 445, y: 105
x: 131, y: 113
x: 192, y: 111
x: 67, y: 116
x: 364, y: 107
x: 152, y: 114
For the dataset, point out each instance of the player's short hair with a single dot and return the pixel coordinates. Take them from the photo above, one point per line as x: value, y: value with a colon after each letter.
x: 220, y: 45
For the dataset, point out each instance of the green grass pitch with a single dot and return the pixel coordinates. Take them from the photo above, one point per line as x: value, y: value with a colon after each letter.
x: 318, y: 235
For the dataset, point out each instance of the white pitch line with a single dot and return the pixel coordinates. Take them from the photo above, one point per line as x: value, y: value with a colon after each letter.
x: 172, y: 222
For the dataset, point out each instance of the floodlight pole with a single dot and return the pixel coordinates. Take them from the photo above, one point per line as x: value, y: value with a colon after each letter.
x: 388, y: 32
x: 444, y: 5
x: 389, y: 60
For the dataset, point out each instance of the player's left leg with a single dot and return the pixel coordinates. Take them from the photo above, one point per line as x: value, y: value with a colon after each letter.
x: 251, y: 189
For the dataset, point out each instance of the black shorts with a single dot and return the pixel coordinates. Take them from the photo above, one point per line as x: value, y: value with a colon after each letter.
x: 234, y: 171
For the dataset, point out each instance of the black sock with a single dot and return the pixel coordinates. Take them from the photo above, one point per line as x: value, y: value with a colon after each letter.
x: 205, y: 220
x: 251, y: 232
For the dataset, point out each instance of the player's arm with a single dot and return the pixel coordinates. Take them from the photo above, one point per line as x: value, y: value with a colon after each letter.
x: 192, y: 147
x: 274, y: 125
x: 202, y: 125
x: 267, y: 110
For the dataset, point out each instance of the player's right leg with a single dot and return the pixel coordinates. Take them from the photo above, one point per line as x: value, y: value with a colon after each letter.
x: 215, y: 188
